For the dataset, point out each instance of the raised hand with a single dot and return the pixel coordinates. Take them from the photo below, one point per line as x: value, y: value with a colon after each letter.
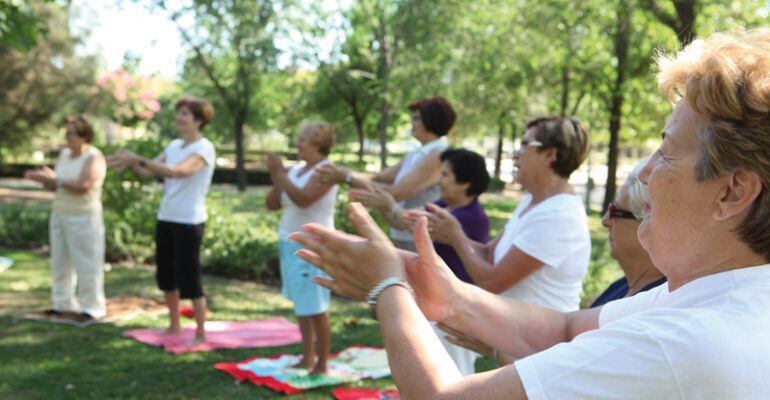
x: 374, y: 197
x: 356, y: 264
x: 273, y: 162
x: 435, y: 285
x: 443, y: 226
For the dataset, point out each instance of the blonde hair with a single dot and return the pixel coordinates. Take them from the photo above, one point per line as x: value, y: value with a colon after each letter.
x: 725, y: 78
x: 322, y: 135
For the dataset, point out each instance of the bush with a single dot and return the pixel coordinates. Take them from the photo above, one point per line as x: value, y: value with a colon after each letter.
x: 239, y: 245
x: 24, y: 225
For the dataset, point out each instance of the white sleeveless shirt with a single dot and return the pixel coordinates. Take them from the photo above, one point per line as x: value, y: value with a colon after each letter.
x: 320, y: 212
x: 68, y: 168
x: 429, y: 194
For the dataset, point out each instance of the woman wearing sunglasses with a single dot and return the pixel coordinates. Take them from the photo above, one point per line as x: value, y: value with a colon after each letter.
x: 543, y: 252
x: 622, y: 219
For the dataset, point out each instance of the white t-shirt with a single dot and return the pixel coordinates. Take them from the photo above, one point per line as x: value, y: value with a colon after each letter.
x: 555, y: 231
x: 184, y: 199
x: 320, y: 212
x: 429, y: 194
x: 706, y: 340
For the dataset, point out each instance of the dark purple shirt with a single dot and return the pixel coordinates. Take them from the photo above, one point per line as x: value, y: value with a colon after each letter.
x: 475, y: 224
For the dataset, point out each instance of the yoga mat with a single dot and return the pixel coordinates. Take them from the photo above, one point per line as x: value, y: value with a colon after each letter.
x: 118, y: 309
x: 223, y: 335
x: 350, y: 365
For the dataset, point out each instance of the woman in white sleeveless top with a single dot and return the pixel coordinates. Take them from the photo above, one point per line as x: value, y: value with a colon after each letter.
x: 542, y: 254
x: 305, y: 200
x: 413, y: 181
x: 76, y: 226
x: 187, y: 166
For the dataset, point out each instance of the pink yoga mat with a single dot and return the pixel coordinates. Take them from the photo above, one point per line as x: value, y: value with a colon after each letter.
x: 224, y: 335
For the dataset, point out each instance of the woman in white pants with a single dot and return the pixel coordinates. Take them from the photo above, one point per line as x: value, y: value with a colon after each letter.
x: 76, y: 226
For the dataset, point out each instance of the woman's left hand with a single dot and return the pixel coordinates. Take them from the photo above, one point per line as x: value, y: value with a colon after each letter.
x: 356, y: 264
x: 375, y: 198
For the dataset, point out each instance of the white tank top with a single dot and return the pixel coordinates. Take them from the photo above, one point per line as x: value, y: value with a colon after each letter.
x: 67, y: 202
x: 320, y: 212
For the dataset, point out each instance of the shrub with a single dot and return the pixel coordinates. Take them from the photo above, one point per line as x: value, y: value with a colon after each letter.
x: 24, y: 225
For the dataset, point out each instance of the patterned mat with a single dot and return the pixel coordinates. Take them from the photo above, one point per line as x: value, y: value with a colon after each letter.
x: 350, y: 365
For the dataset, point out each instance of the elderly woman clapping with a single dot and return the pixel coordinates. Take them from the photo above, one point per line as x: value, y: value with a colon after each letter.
x: 702, y: 335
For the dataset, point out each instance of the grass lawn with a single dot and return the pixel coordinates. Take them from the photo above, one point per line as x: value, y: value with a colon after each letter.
x: 44, y: 361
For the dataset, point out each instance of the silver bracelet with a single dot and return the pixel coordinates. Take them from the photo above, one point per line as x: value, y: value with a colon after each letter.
x: 377, y: 290
x: 349, y: 178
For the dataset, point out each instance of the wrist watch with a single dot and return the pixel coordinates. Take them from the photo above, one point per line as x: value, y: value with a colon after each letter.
x: 375, y: 293
x: 142, y: 163
x: 349, y: 177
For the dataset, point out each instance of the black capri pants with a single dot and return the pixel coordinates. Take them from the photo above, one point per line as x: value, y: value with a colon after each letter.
x: 177, y: 253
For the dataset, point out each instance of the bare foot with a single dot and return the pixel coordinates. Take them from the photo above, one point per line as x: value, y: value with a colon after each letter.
x: 319, y: 370
x: 305, y: 363
x: 170, y: 331
x: 199, y: 339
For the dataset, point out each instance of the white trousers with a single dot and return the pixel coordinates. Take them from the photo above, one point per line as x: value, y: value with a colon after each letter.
x: 77, y: 261
x: 464, y: 359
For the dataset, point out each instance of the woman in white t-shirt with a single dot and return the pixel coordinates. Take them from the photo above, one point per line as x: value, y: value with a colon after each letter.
x: 543, y: 252
x: 187, y: 165
x: 76, y: 226
x: 413, y: 182
x: 305, y: 200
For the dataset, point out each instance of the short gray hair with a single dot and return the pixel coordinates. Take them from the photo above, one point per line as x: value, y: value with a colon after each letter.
x: 636, y: 191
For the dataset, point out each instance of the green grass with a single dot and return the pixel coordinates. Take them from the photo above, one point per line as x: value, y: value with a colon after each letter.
x: 44, y: 361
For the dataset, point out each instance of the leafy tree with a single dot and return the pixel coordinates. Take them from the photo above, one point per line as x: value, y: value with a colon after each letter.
x: 42, y: 84
x: 231, y: 51
x: 20, y: 27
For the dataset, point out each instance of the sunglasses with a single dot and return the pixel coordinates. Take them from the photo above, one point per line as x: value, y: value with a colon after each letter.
x: 529, y: 143
x: 616, y: 212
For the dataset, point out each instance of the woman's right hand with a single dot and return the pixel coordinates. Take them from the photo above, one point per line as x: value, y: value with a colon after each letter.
x: 442, y: 225
x: 273, y: 162
x: 330, y: 174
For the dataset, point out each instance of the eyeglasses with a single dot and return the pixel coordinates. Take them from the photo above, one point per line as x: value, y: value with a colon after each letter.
x: 70, y: 132
x: 616, y: 212
x: 529, y: 143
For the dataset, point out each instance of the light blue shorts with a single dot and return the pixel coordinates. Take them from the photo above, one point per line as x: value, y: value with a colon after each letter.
x: 297, y: 285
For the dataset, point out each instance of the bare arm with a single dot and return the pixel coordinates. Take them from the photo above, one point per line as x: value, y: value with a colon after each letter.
x: 484, y: 315
x: 187, y: 167
x: 93, y: 172
x: 144, y: 172
x: 388, y: 175
x: 304, y: 196
x: 424, y: 175
x: 273, y: 199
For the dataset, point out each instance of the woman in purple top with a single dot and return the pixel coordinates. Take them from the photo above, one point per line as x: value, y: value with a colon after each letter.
x: 464, y: 177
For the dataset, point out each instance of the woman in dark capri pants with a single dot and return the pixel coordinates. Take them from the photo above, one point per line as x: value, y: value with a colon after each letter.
x: 186, y: 165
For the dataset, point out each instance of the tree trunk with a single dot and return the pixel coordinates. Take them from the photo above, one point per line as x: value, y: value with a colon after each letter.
x: 384, y: 77
x: 564, y: 88
x: 240, y: 162
x: 499, y: 153
x: 359, y: 122
x: 621, y: 42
